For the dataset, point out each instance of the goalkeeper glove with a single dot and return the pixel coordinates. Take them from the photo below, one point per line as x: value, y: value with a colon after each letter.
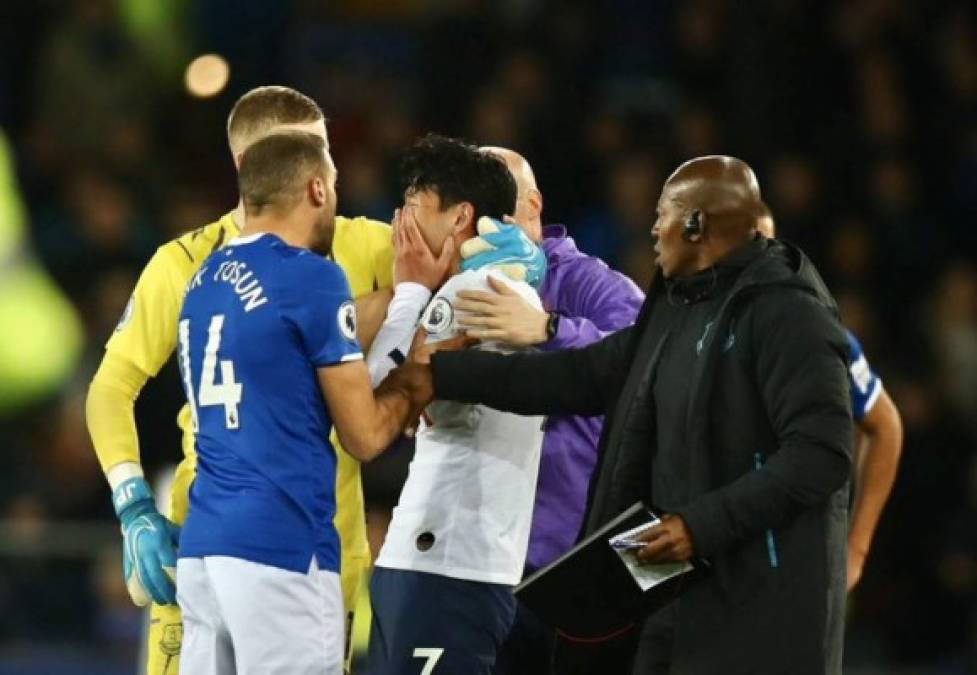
x: 149, y: 544
x: 506, y: 248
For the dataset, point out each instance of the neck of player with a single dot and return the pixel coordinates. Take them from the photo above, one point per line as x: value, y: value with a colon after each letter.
x: 287, y: 228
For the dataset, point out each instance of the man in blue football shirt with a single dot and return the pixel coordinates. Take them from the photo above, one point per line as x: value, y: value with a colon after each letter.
x: 270, y: 361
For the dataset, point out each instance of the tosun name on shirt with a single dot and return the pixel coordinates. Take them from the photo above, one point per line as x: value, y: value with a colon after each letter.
x: 240, y: 278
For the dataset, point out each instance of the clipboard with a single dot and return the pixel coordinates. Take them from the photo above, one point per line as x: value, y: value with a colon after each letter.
x: 596, y: 591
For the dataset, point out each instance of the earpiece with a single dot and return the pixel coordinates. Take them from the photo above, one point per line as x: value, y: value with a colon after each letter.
x: 693, y: 226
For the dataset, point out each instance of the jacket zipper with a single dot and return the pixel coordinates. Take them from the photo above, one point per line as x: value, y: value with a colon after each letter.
x: 771, y: 543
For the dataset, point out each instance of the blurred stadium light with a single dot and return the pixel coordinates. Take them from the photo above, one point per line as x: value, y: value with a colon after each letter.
x: 207, y: 75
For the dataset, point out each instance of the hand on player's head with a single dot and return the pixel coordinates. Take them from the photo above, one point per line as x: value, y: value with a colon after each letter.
x: 506, y: 247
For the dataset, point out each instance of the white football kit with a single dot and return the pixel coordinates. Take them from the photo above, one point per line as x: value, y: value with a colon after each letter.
x: 466, y: 508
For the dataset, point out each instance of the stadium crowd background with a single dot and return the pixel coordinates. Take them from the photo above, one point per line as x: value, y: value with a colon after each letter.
x: 860, y: 117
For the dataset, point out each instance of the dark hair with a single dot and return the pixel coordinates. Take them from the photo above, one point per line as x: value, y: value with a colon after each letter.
x: 275, y: 169
x: 263, y: 108
x: 457, y: 172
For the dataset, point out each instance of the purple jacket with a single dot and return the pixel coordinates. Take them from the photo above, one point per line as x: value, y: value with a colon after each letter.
x: 593, y: 300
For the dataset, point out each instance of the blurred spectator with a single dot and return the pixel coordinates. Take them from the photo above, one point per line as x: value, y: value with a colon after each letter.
x: 885, y: 117
x: 794, y: 193
x: 118, y: 623
x: 954, y: 336
x: 858, y: 316
x: 91, y: 98
x: 900, y: 595
x: 364, y: 192
x: 99, y: 228
x: 496, y: 120
x: 957, y: 564
x: 69, y: 453
x: 188, y: 207
x: 909, y: 245
x: 618, y: 230
x: 606, y: 136
x: 850, y: 258
x: 103, y: 307
x: 697, y: 132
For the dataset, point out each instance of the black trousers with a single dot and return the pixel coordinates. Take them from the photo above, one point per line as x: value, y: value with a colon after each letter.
x: 654, y: 652
x: 644, y: 650
x: 609, y: 657
x: 533, y: 648
x: 528, y: 649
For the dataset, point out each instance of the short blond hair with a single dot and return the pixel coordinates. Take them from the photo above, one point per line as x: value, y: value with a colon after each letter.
x: 262, y: 109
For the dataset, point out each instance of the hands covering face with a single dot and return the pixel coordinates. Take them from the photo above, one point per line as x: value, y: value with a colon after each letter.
x: 414, y: 261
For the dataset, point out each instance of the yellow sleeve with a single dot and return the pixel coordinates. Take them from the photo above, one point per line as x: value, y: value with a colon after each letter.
x: 109, y: 410
x: 382, y: 250
x: 146, y: 334
x: 141, y: 344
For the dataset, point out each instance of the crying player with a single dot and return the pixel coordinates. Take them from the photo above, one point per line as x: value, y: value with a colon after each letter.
x: 441, y: 591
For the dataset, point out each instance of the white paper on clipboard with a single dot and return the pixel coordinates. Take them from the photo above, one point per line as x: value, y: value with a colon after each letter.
x: 646, y: 576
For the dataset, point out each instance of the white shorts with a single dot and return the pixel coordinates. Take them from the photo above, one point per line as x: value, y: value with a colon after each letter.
x: 244, y: 618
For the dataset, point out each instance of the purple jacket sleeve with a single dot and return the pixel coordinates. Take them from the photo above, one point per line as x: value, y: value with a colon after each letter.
x: 593, y: 301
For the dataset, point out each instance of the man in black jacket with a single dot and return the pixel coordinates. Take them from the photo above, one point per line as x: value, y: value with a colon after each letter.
x: 728, y: 408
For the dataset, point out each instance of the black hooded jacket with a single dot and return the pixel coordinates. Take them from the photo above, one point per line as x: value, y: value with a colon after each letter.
x: 765, y: 447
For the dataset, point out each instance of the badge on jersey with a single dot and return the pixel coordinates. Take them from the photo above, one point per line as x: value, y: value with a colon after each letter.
x: 438, y: 317
x: 346, y: 316
x: 127, y: 313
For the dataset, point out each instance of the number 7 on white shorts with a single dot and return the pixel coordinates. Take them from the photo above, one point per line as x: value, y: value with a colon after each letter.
x: 432, y: 654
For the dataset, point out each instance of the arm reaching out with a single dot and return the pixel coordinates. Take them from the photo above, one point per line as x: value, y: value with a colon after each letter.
x: 367, y: 421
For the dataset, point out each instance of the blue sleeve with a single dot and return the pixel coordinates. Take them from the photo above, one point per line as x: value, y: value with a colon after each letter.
x: 321, y: 311
x: 865, y: 384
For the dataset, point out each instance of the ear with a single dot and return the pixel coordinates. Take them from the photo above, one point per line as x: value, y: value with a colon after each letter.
x: 535, y: 199
x: 464, y: 217
x: 317, y: 191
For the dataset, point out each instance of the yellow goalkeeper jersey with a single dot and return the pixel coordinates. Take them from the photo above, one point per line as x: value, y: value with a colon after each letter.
x: 146, y: 337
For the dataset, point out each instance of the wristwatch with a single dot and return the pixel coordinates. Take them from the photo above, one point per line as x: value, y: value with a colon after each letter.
x: 552, y: 325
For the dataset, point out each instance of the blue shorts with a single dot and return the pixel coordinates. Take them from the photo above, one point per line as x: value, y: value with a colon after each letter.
x: 421, y: 620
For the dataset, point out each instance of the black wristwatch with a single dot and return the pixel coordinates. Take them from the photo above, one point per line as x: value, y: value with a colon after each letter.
x: 552, y: 325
